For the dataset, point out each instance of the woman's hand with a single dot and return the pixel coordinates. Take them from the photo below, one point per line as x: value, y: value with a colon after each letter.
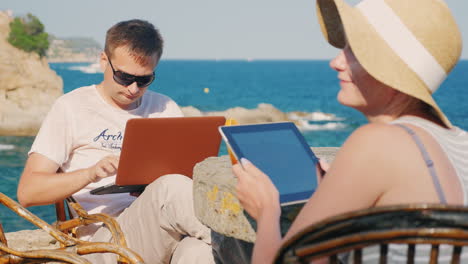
x: 257, y: 194
x: 322, y: 168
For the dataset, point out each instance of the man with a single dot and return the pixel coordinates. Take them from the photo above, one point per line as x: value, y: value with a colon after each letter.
x: 77, y: 150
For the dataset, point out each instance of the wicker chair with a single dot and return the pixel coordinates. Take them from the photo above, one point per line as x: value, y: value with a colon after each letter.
x: 72, y: 248
x: 68, y: 225
x: 432, y: 225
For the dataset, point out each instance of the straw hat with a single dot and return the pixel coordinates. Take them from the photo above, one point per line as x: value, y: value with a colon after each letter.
x: 409, y: 45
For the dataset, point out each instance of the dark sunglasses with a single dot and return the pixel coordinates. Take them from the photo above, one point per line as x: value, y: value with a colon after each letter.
x: 126, y: 79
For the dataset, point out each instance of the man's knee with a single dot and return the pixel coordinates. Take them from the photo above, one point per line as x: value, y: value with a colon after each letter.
x: 176, y: 182
x: 192, y: 250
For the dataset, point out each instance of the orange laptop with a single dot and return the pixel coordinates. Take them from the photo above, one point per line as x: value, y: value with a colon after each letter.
x: 153, y: 147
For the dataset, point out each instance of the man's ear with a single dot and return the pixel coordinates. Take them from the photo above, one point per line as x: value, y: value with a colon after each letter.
x: 103, y: 61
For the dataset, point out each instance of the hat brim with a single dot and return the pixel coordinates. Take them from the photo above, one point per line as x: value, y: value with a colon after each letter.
x: 340, y: 24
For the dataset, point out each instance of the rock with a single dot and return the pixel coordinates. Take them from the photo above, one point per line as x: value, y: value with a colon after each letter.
x: 191, y: 111
x: 28, y: 87
x: 30, y: 240
x: 217, y: 206
x: 264, y: 113
x: 215, y: 202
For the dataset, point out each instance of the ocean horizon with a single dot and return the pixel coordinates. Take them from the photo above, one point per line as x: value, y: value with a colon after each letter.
x: 306, y: 86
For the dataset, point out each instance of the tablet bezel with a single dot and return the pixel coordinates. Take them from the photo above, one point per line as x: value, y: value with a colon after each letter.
x: 227, y: 131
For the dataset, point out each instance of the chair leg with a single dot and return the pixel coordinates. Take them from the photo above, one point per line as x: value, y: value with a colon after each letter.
x: 60, y: 211
x: 2, y: 236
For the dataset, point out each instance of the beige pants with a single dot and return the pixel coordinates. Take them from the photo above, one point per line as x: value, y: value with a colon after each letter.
x: 161, y: 225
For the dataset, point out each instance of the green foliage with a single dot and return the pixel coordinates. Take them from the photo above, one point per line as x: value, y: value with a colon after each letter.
x: 27, y: 33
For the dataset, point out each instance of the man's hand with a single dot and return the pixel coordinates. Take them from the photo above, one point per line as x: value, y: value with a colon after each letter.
x: 103, y: 168
x: 135, y: 194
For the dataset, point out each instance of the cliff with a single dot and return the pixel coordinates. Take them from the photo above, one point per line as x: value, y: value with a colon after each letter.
x: 28, y: 87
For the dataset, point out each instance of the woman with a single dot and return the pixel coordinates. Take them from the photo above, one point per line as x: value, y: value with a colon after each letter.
x: 395, y: 54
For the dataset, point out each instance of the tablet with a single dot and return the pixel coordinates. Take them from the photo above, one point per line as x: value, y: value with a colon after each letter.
x: 280, y: 151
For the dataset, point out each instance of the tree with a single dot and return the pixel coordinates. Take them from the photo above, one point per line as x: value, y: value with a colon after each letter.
x: 27, y: 33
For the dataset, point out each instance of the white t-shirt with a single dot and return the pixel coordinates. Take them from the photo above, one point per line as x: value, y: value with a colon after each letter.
x: 81, y: 129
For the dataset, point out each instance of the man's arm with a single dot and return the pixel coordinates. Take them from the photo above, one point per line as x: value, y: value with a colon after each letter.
x: 40, y: 183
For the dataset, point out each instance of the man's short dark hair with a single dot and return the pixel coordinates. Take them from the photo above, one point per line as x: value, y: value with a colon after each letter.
x: 141, y: 37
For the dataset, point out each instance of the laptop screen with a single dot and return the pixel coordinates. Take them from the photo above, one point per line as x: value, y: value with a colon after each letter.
x: 279, y: 150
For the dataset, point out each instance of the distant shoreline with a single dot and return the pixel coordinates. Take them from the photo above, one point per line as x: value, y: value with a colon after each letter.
x: 70, y: 61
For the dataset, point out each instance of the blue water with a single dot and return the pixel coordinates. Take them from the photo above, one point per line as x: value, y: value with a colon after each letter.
x: 307, y: 86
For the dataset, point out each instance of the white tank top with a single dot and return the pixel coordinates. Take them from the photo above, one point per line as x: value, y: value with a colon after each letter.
x: 454, y: 143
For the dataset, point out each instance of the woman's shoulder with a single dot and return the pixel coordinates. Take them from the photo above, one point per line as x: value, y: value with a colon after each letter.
x: 372, y: 161
x: 377, y: 156
x: 378, y: 136
x: 379, y: 146
x: 388, y: 149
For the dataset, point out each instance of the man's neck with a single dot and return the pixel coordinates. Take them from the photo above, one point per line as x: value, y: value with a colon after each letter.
x: 111, y: 102
x: 136, y: 104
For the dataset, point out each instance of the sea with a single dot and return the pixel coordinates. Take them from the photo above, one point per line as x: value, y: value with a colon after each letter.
x: 307, y: 86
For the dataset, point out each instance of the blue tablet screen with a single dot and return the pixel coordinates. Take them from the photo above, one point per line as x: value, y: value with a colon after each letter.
x: 279, y: 150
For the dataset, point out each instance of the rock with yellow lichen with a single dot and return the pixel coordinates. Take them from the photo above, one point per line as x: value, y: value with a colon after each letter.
x: 217, y: 206
x: 214, y: 200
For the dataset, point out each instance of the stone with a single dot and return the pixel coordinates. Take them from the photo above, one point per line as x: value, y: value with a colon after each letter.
x: 264, y: 113
x: 217, y: 206
x: 215, y: 202
x: 31, y: 239
x: 28, y: 87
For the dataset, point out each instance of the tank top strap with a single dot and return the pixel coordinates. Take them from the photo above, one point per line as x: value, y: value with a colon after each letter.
x: 428, y: 161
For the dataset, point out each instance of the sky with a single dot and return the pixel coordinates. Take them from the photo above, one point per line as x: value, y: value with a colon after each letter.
x: 206, y: 29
